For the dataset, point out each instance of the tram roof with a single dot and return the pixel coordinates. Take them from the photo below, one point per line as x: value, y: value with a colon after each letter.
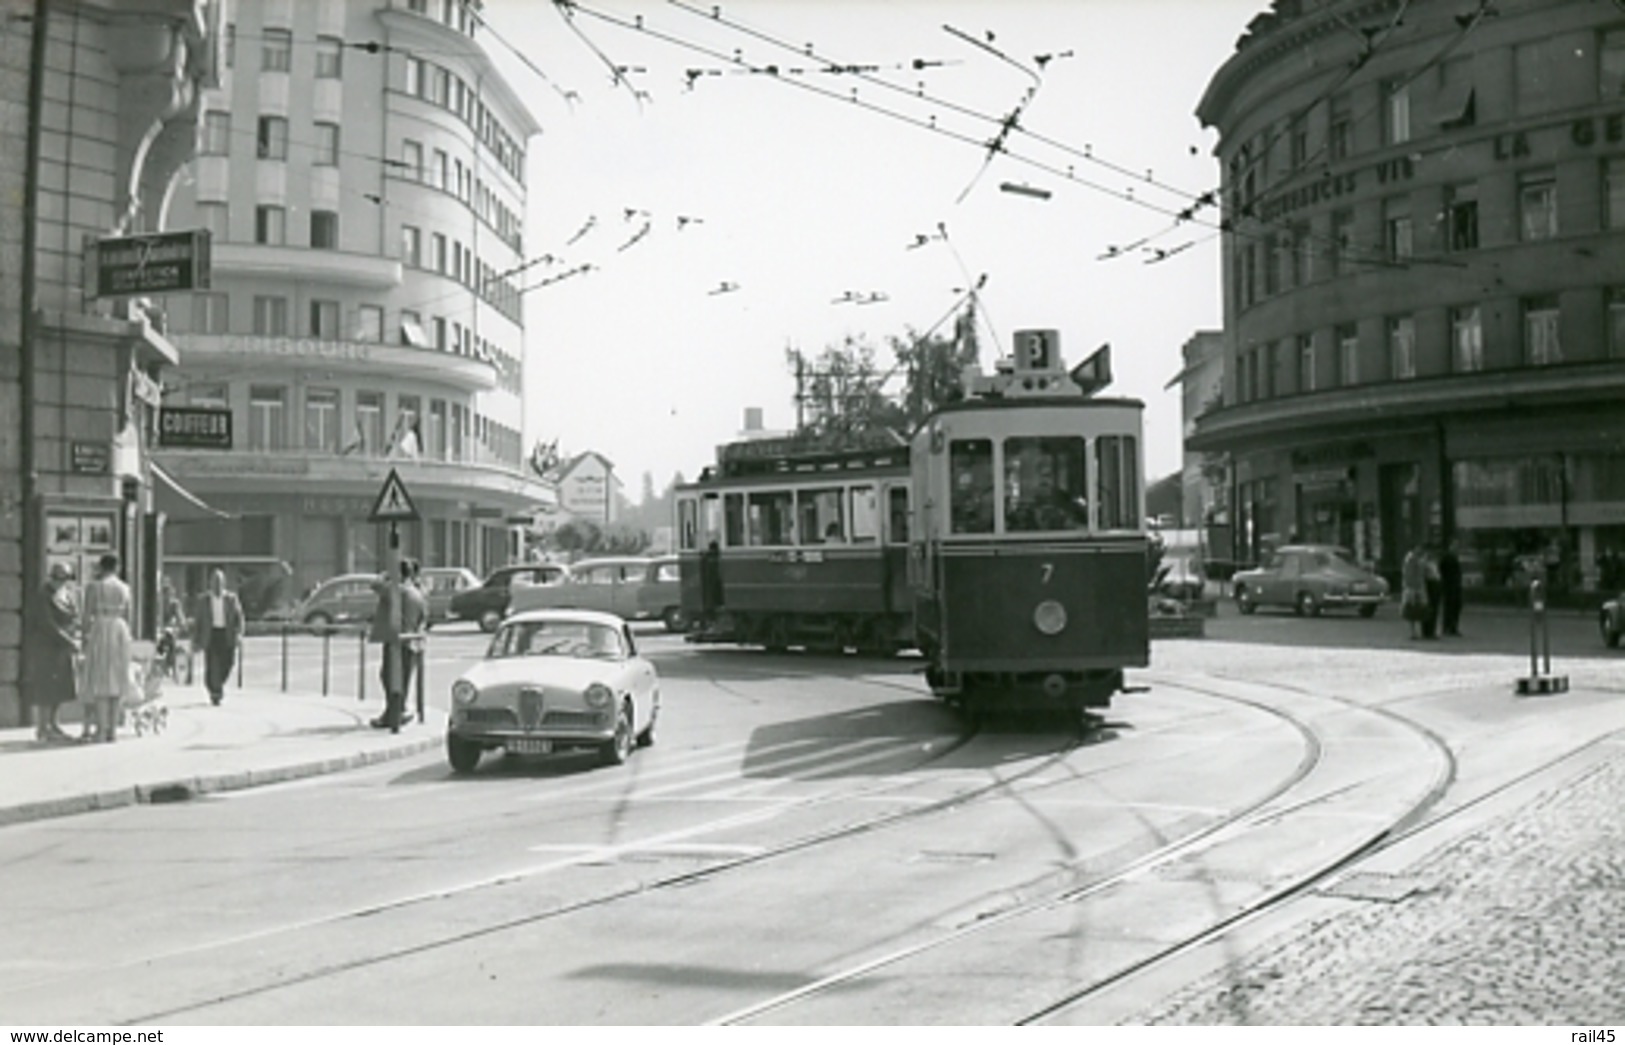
x: 1029, y: 403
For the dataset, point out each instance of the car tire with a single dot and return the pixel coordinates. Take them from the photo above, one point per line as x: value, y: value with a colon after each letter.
x: 320, y: 623
x: 672, y: 618
x: 646, y: 736
x: 1307, y: 606
x: 619, y: 748
x: 489, y: 620
x: 1244, y: 601
x: 463, y: 755
x: 1368, y: 611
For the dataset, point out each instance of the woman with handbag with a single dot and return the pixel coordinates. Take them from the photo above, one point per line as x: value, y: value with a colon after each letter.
x: 106, y: 626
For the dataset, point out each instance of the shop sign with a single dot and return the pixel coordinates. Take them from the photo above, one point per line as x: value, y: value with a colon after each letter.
x: 158, y: 263
x: 194, y: 427
x: 295, y: 347
x: 90, y: 458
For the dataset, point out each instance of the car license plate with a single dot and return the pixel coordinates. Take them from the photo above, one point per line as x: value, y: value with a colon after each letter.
x: 1361, y: 589
x: 530, y: 747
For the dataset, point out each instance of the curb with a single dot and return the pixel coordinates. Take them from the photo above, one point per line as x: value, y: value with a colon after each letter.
x: 185, y: 788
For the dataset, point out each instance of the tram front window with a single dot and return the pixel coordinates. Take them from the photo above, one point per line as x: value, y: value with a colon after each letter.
x: 970, y: 503
x: 1044, y: 487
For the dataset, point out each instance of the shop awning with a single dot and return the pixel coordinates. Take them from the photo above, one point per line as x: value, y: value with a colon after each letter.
x: 179, y: 503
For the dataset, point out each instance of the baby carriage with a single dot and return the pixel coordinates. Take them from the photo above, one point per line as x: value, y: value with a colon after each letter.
x: 143, y: 708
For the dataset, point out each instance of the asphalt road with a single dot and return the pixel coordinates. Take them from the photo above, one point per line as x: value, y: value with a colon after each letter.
x: 813, y: 840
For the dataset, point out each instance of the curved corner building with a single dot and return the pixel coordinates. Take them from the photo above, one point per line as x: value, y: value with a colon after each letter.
x: 362, y: 170
x: 1424, y: 283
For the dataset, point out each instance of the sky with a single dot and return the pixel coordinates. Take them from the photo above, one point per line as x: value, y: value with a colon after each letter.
x: 728, y: 213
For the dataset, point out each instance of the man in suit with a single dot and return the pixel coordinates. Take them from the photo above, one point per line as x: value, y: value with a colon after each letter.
x: 217, y: 628
x: 401, y: 652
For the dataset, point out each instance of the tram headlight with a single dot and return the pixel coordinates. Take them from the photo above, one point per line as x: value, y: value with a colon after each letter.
x: 1049, y: 617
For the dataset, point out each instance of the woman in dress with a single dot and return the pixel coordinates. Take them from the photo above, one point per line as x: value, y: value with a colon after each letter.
x: 55, y: 647
x: 107, y: 649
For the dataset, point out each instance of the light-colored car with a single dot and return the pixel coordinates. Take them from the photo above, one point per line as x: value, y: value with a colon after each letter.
x: 1180, y: 577
x: 1309, y: 578
x: 441, y: 584
x: 1611, y: 619
x: 632, y: 588
x: 555, y: 680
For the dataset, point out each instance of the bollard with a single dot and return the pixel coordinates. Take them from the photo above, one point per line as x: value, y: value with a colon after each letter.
x: 361, y: 671
x: 327, y: 660
x: 423, y: 663
x: 1540, y: 678
x: 242, y: 655
x: 284, y: 630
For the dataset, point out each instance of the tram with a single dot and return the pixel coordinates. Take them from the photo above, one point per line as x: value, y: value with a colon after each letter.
x: 1028, y: 565
x: 1005, y: 541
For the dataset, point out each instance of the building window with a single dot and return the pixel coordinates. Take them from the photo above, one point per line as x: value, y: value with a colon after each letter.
x: 1461, y: 217
x: 369, y: 323
x: 324, y: 230
x: 324, y: 320
x: 1340, y: 130
x: 1455, y: 97
x: 322, y: 419
x: 1342, y: 241
x: 437, y: 255
x: 231, y: 44
x: 270, y: 316
x: 436, y: 434
x: 1348, y: 355
x: 1466, y: 339
x: 1396, y: 222
x: 1533, y: 77
x: 1306, y: 363
x: 1616, y: 322
x: 411, y: 246
x: 1276, y: 250
x: 267, y: 417
x: 442, y: 170
x: 1611, y: 64
x: 325, y: 149
x: 1398, y: 123
x: 1402, y: 347
x: 216, y: 133
x: 1298, y: 147
x: 412, y: 159
x: 440, y: 331
x: 329, y: 58
x: 412, y: 330
x: 1303, y: 259
x: 211, y: 313
x: 1542, y: 343
x: 369, y: 422
x: 413, y: 84
x: 270, y: 226
x: 276, y: 47
x: 216, y: 218
x: 1537, y: 205
x: 1613, y: 193
x: 273, y: 138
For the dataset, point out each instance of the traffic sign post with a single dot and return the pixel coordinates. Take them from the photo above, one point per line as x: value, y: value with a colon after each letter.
x: 394, y: 506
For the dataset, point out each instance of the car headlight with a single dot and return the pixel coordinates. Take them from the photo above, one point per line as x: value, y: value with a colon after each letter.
x: 463, y: 692
x: 1049, y: 617
x: 598, y: 695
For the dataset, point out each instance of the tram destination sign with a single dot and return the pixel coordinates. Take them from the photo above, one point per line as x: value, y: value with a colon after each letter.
x: 156, y: 263
x: 194, y: 428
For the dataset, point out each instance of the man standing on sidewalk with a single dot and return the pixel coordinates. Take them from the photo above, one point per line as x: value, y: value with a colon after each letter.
x: 217, y: 628
x: 400, y: 654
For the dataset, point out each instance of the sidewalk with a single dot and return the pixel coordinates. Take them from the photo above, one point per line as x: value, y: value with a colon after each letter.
x: 257, y: 736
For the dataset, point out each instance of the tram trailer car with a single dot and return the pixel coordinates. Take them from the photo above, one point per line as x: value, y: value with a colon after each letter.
x: 781, y: 548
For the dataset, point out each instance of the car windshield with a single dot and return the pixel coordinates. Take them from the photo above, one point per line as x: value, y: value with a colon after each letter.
x: 557, y: 638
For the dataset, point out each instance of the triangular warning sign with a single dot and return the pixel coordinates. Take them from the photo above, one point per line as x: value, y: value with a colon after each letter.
x: 394, y: 504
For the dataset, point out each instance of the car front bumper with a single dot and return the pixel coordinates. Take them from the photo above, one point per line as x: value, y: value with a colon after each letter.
x: 502, y: 727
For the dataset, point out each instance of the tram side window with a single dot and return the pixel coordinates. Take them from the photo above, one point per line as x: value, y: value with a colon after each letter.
x: 970, y: 502
x: 688, y: 524
x: 771, y: 518
x: 819, y: 517
x: 1117, y: 470
x: 711, y: 521
x: 897, y: 515
x: 865, y: 514
x: 733, y: 519
x: 1044, y: 486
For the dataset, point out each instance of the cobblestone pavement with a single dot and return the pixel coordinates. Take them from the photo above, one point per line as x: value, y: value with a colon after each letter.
x: 1520, y: 923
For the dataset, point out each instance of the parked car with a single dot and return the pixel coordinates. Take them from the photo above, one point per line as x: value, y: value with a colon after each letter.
x: 555, y: 680
x: 1309, y: 578
x: 346, y: 599
x: 1611, y: 619
x: 633, y: 588
x: 488, y: 603
x: 441, y: 584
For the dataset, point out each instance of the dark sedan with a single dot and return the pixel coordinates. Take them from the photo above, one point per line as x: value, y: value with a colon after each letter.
x: 488, y: 603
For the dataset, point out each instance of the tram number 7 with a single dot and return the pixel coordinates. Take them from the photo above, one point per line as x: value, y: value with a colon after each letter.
x: 1048, y: 570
